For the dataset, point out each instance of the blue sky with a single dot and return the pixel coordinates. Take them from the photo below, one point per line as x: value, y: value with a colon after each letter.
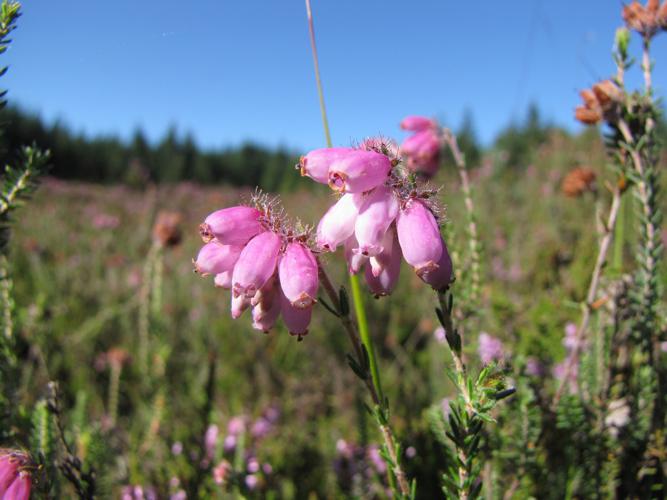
x: 230, y: 71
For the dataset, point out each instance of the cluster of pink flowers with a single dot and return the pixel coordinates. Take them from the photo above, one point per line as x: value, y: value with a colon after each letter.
x: 422, y: 149
x: 268, y: 266
x: 15, y: 477
x: 381, y: 216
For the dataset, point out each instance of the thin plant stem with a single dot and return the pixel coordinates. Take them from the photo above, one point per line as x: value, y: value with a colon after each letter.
x: 385, y: 429
x: 646, y: 65
x: 354, y: 280
x: 359, y: 308
x: 144, y: 305
x: 115, y: 369
x: 6, y: 298
x: 320, y: 90
x: 587, y: 306
x: 473, y: 238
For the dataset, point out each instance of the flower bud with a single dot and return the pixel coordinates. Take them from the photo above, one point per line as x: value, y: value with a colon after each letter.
x: 266, y: 310
x: 359, y: 171
x: 299, y: 275
x: 622, y: 40
x: 338, y: 223
x: 316, y: 163
x: 382, y: 274
x: 440, y: 276
x: 296, y: 320
x: 417, y: 123
x: 355, y: 259
x: 214, y: 258
x: 232, y: 226
x: 223, y: 280
x: 256, y: 264
x: 376, y: 215
x: 239, y: 304
x: 419, y: 236
x: 422, y: 145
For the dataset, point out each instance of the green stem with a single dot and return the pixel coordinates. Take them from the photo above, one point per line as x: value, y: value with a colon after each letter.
x: 365, y: 335
x: 320, y: 91
x: 359, y: 309
x: 619, y: 238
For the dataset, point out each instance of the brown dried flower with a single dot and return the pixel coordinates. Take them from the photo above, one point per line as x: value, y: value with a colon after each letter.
x: 578, y: 181
x: 646, y: 20
x: 167, y: 229
x: 600, y: 103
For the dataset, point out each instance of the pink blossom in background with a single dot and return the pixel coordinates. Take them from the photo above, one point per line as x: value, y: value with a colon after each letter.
x: 422, y: 149
x: 440, y: 335
x: 490, y: 348
x: 221, y: 472
x: 533, y: 367
x: 105, y: 221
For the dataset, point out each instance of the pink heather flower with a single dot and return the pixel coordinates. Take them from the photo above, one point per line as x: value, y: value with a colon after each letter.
x: 251, y: 481
x: 256, y: 264
x: 489, y: 348
x: 376, y: 459
x: 211, y: 440
x: 221, y: 472
x: 411, y: 452
x: 382, y: 274
x: 378, y: 211
x: 239, y: 304
x: 419, y: 237
x: 261, y: 428
x: 224, y: 280
x: 265, y: 312
x: 177, y: 448
x: 337, y: 225
x: 232, y: 226
x: 422, y: 151
x: 570, y: 340
x: 229, y: 443
x: 355, y: 260
x: 534, y: 367
x: 296, y: 320
x: 440, y: 335
x: 359, y: 171
x: 299, y: 275
x: 215, y: 258
x: 416, y: 123
x: 441, y: 276
x: 236, y: 426
x: 15, y: 478
x: 252, y: 465
x: 316, y: 163
x: 559, y: 374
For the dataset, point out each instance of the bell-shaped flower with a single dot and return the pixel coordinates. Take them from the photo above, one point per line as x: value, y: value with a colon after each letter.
x: 419, y: 236
x: 355, y: 259
x: 224, y: 280
x: 382, y: 274
x: 337, y: 225
x: 416, y: 123
x: 359, y: 171
x: 256, y: 264
x: 215, y: 258
x: 232, y: 226
x: 376, y: 215
x: 298, y: 273
x: 296, y: 320
x: 439, y: 277
x: 239, y: 304
x: 15, y: 478
x: 266, y: 308
x: 316, y: 163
